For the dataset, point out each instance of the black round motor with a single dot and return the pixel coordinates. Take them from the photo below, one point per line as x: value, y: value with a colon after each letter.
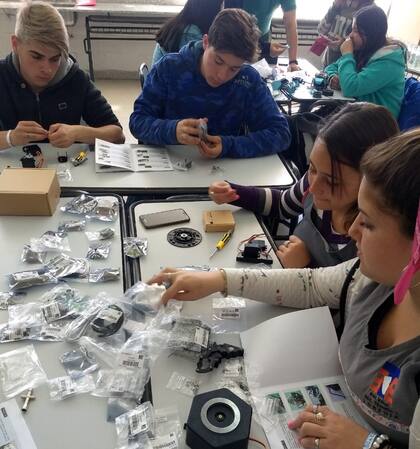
x: 184, y: 237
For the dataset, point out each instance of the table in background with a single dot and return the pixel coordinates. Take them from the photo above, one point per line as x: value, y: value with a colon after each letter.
x: 78, y: 422
x: 162, y: 254
x: 263, y: 171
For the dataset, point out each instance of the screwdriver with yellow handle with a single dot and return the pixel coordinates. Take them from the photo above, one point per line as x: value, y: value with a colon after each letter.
x: 222, y: 242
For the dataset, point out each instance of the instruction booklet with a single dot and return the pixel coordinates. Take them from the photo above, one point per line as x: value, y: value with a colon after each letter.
x: 298, y: 367
x: 111, y: 157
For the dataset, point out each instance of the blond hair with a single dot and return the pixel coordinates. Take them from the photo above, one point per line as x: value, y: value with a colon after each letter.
x: 41, y: 22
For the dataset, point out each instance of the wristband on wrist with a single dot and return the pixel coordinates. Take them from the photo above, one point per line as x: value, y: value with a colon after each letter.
x: 293, y: 61
x: 223, y: 273
x: 8, y: 140
x: 369, y: 440
x: 381, y: 442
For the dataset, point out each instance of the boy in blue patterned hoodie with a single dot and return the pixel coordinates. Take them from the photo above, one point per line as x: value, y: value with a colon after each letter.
x: 209, y: 80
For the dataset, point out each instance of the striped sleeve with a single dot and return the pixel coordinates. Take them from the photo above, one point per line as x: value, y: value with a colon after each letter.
x: 275, y: 203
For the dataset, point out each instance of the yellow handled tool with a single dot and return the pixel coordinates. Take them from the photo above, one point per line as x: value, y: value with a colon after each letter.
x: 222, y: 242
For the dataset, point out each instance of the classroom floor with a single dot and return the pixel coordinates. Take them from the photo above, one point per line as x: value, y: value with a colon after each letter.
x: 121, y: 94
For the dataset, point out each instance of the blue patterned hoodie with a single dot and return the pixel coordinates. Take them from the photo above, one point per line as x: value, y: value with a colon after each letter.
x: 241, y: 111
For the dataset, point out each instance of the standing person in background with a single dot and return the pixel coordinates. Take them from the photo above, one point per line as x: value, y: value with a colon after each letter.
x: 336, y: 26
x: 372, y: 67
x: 189, y: 25
x: 263, y: 10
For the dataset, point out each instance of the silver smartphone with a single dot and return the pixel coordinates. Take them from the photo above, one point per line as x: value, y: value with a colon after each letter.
x: 164, y: 218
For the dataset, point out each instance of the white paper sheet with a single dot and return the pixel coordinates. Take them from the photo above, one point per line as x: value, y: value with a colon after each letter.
x: 14, y: 433
x: 111, y: 157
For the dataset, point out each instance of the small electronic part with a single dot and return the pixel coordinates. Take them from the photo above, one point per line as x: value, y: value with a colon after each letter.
x: 317, y: 94
x: 62, y: 158
x: 79, y: 158
x: 327, y: 92
x: 320, y: 81
x: 254, y: 251
x: 184, y: 237
x: 212, y: 357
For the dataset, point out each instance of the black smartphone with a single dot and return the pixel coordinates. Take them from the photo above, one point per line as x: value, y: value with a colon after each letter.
x: 164, y: 218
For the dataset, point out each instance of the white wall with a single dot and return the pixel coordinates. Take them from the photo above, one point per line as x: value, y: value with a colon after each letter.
x: 404, y: 21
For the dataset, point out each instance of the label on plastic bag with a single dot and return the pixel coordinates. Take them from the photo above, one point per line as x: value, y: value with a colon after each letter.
x: 201, y: 337
x: 110, y: 315
x: 233, y: 368
x: 228, y: 313
x: 51, y: 311
x: 66, y: 386
x: 137, y: 422
x: 169, y: 441
x: 131, y: 360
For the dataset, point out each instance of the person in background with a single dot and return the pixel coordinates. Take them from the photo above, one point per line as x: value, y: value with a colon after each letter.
x: 189, y: 25
x: 263, y: 10
x: 372, y: 67
x: 379, y: 348
x: 336, y: 26
x: 326, y: 195
x: 45, y: 95
x: 208, y: 82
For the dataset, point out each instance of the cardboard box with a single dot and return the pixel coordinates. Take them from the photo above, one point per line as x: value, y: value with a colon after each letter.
x: 28, y: 191
x: 218, y: 220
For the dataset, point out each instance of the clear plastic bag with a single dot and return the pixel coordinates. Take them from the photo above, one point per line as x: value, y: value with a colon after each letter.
x: 189, y: 334
x: 168, y: 429
x: 106, y: 209
x: 78, y: 362
x: 63, y: 266
x: 80, y: 205
x: 72, y: 226
x: 31, y: 255
x: 119, y: 406
x: 64, y: 174
x: 51, y: 241
x: 145, y: 298
x: 20, y: 370
x: 228, y: 314
x: 64, y: 387
x: 104, y: 275
x: 135, y: 247
x: 183, y: 384
x: 30, y: 278
x: 121, y: 382
x: 98, y: 250
x: 104, y: 352
x: 9, y: 333
x: 137, y: 424
x: 103, y: 234
x: 63, y: 302
x: 10, y: 298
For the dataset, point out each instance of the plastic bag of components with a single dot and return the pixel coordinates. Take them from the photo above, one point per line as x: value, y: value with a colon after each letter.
x: 103, y: 234
x: 166, y: 316
x: 28, y: 315
x: 104, y: 352
x: 15, y: 332
x: 72, y: 226
x: 135, y: 247
x: 63, y: 302
x: 145, y: 298
x: 168, y: 429
x: 136, y: 425
x: 234, y: 379
x: 63, y: 266
x: 33, y: 255
x: 64, y: 387
x: 10, y: 298
x: 64, y: 174
x: 104, y: 275
x: 189, y: 334
x: 80, y: 205
x: 143, y: 348
x: 98, y: 250
x: 183, y: 384
x: 30, y: 278
x: 228, y: 314
x: 121, y: 382
x: 106, y: 209
x: 78, y: 362
x: 51, y: 241
x: 240, y: 388
x: 20, y: 370
x: 119, y: 406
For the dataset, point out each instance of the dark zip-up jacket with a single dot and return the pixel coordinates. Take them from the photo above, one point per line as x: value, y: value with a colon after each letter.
x: 72, y: 99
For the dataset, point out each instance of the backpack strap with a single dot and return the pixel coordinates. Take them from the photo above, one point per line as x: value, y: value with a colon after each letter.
x: 343, y: 297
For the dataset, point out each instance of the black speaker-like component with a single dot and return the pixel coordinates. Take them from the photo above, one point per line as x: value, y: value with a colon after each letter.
x: 218, y: 419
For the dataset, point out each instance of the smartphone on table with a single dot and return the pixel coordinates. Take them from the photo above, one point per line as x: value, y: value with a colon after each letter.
x: 164, y: 218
